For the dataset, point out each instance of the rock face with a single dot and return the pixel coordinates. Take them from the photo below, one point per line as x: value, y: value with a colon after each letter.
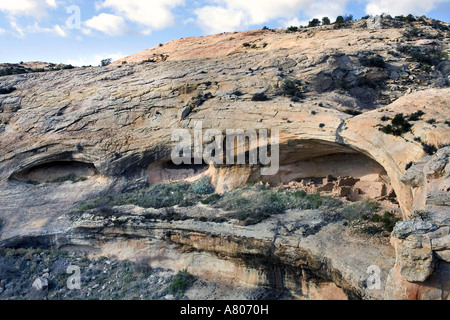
x: 422, y: 243
x: 109, y: 130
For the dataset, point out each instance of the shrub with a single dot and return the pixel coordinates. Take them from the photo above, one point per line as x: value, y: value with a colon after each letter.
x: 339, y: 20
x: 326, y: 21
x: 71, y: 177
x: 385, y: 118
x: 291, y: 88
x: 314, y: 23
x: 416, y: 115
x: 431, y: 121
x: 373, y: 61
x: 355, y: 210
x: 260, y: 97
x: 313, y: 201
x: 7, y: 90
x: 322, y: 125
x: 409, y: 165
x: 292, y: 29
x: 410, y: 18
x: 389, y: 220
x: 212, y: 199
x: 398, y: 127
x: 182, y: 281
x: 411, y: 33
x: 162, y: 195
x: 105, y: 62
x: 348, y: 18
x: 203, y: 186
x: 429, y: 149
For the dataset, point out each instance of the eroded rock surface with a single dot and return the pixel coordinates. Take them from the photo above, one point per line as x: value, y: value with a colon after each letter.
x: 108, y: 130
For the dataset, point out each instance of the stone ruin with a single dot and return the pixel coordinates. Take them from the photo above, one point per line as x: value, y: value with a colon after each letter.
x: 353, y: 189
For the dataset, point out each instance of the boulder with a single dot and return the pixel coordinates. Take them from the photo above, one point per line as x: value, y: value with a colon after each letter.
x: 40, y: 284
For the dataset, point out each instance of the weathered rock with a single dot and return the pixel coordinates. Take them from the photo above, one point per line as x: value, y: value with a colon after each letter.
x: 443, y: 255
x: 113, y: 127
x: 404, y: 229
x: 415, y: 258
x: 40, y: 284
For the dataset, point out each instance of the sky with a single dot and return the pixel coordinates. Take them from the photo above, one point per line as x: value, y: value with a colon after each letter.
x: 83, y: 32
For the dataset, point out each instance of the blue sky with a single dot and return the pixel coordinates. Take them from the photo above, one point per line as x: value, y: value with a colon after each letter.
x: 83, y: 32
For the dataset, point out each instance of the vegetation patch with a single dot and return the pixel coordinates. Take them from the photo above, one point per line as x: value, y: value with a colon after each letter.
x: 399, y: 126
x: 71, y: 177
x: 260, y: 97
x: 203, y: 186
x: 7, y: 90
x: 181, y: 282
x: 160, y: 195
x: 360, y: 210
x: 388, y: 220
x: 292, y: 88
x: 254, y: 204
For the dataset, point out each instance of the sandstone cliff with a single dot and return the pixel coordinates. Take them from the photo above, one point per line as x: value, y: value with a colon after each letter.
x: 332, y: 93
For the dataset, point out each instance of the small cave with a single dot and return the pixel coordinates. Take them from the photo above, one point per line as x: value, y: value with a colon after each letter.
x: 166, y: 170
x: 57, y: 171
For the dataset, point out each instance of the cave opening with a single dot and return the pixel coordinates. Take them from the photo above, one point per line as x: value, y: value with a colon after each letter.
x: 57, y: 171
x: 328, y: 167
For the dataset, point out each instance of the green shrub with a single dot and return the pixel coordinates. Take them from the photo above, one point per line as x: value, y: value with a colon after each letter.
x: 398, y: 127
x: 326, y: 21
x: 340, y: 20
x: 355, y: 210
x: 300, y: 194
x: 429, y: 149
x: 409, y: 165
x: 203, y: 186
x: 182, y: 281
x: 160, y: 195
x: 260, y: 97
x: 411, y: 33
x: 389, y: 220
x: 314, y: 23
x: 416, y: 116
x: 313, y: 201
x: 212, y: 199
x: 246, y: 44
x: 291, y: 88
x: 163, y: 195
x: 292, y: 29
x: 71, y: 177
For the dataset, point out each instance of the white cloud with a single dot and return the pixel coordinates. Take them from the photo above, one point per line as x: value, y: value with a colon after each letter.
x: 95, y: 59
x: 402, y: 7
x: 21, y: 32
x: 155, y: 14
x: 109, y: 24
x: 34, y: 8
x: 233, y: 15
x: 2, y: 31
